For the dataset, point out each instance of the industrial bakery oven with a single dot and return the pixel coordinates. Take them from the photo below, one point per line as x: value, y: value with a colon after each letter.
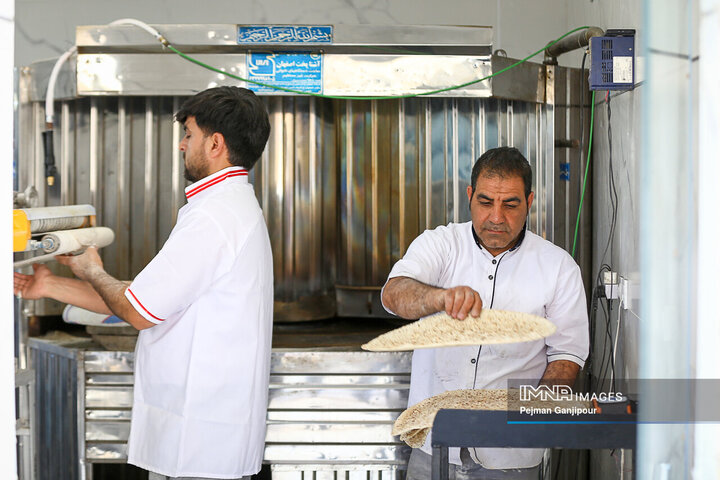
x: 368, y: 148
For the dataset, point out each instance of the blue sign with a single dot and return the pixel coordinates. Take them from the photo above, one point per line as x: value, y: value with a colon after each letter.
x: 285, y: 34
x: 297, y: 71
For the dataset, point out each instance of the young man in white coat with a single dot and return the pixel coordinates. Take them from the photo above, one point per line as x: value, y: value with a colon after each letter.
x: 203, y: 305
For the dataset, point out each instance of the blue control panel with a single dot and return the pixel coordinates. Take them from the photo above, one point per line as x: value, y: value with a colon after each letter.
x: 612, y: 65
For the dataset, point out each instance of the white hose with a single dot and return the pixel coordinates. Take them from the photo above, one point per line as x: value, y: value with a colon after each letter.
x: 143, y: 25
x: 50, y: 96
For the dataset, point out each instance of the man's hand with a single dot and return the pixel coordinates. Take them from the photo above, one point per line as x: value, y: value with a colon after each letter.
x: 82, y: 265
x: 32, y: 287
x: 89, y: 267
x: 459, y: 302
x: 411, y: 299
x: 560, y: 372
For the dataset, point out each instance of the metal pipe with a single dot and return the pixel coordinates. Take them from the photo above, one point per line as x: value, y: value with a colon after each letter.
x: 571, y: 42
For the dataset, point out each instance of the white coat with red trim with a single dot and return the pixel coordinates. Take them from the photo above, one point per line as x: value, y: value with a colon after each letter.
x: 202, y: 373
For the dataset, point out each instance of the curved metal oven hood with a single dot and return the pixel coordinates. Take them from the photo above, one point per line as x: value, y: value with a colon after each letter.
x: 345, y: 185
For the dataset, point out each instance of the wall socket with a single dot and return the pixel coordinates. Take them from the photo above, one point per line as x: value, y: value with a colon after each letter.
x: 617, y: 287
x: 611, y: 284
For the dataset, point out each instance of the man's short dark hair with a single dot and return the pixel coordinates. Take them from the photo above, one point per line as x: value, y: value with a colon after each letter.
x: 236, y: 113
x: 503, y: 162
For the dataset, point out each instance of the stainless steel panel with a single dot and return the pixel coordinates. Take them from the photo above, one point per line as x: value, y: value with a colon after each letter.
x: 337, y: 472
x: 124, y: 36
x: 344, y: 75
x: 567, y: 126
x: 338, y: 398
x: 345, y: 185
x: 525, y: 82
x: 132, y: 36
x: 107, y: 415
x: 340, y: 380
x: 329, y: 433
x: 287, y: 362
x: 332, y: 416
x: 106, y: 452
x: 108, y: 379
x: 56, y: 452
x: 84, y: 468
x: 382, y: 75
x: 39, y: 73
x: 370, y: 389
x: 105, y: 362
x: 108, y: 397
x: 336, y: 454
x: 96, y: 431
x: 137, y: 74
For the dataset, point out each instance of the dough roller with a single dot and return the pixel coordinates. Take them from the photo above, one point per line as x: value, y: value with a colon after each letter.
x: 56, y: 231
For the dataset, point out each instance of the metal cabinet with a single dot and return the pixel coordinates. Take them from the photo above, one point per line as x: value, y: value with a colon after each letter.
x: 330, y: 413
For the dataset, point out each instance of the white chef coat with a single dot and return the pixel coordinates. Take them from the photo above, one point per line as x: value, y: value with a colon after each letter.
x: 534, y: 277
x: 202, y: 373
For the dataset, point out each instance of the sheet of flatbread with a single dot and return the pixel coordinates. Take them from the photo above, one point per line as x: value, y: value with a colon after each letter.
x: 441, y: 330
x: 413, y: 425
x: 415, y: 438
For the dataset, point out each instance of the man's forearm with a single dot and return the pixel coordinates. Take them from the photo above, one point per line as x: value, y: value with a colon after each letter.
x: 112, y: 292
x: 75, y: 292
x: 411, y: 299
x: 560, y: 372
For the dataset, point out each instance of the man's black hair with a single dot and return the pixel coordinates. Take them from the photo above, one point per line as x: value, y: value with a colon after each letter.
x: 236, y: 113
x: 503, y: 162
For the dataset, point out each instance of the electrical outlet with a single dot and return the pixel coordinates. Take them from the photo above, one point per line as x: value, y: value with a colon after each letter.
x: 611, y: 284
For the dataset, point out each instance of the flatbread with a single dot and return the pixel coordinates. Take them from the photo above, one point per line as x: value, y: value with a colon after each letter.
x: 414, y: 424
x: 415, y: 438
x: 421, y: 415
x: 441, y: 330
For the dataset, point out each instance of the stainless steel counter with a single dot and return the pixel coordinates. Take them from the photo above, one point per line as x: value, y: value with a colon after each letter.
x: 330, y: 412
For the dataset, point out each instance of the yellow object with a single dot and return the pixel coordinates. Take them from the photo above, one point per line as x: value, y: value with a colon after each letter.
x: 21, y: 231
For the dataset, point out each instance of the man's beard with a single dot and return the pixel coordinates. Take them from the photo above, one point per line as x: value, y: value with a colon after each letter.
x: 189, y: 176
x: 197, y: 173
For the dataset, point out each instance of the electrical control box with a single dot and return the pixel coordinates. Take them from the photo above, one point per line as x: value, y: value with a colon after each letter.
x: 612, y: 60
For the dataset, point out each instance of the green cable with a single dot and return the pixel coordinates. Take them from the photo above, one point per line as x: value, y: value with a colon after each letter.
x: 587, y: 169
x: 433, y: 92
x: 340, y: 97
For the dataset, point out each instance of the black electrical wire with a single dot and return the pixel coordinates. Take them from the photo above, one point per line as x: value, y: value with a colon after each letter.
x: 611, y: 188
x: 597, y: 293
x: 607, y: 362
x: 604, y: 362
x: 607, y: 352
x: 608, y: 338
x: 611, y: 237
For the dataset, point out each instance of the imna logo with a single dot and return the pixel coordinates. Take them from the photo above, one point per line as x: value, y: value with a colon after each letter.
x: 546, y: 393
x: 559, y: 393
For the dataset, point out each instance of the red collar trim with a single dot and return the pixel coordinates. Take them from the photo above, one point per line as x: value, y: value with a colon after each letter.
x: 214, y: 179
